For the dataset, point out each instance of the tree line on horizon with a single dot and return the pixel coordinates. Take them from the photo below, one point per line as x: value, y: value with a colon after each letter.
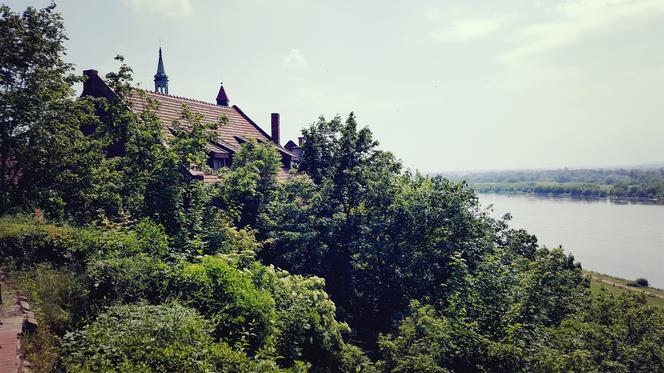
x: 602, y: 183
x: 350, y: 264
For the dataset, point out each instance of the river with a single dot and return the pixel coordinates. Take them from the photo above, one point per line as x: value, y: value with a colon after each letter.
x: 623, y: 239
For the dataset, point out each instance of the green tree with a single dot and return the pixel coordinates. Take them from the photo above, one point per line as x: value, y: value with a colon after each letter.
x: 378, y: 236
x: 621, y: 334
x: 245, y: 190
x: 243, y: 313
x: 45, y: 161
x: 307, y: 329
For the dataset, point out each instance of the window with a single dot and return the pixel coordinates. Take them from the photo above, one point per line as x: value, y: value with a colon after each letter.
x: 218, y: 163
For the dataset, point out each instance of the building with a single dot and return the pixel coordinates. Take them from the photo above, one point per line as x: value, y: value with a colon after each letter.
x: 230, y: 137
x: 295, y: 148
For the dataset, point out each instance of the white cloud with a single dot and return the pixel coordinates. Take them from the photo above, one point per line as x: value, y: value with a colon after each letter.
x: 165, y: 8
x: 294, y: 60
x: 580, y: 43
x: 465, y: 30
x: 575, y: 21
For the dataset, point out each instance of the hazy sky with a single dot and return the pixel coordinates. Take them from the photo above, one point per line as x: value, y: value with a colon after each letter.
x: 445, y: 85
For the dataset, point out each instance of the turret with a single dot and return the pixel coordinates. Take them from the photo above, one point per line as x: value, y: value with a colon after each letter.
x: 222, y: 97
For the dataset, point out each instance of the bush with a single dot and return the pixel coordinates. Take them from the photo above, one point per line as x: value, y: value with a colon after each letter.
x: 617, y: 334
x: 164, y: 338
x: 428, y: 341
x: 242, y: 313
x: 127, y: 280
x: 145, y: 237
x: 642, y: 282
x: 26, y: 241
x: 307, y: 327
x: 223, y: 238
x: 40, y: 348
x: 58, y: 298
x: 59, y: 295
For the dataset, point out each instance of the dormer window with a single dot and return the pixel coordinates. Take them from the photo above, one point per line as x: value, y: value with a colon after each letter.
x: 218, y: 158
x: 218, y: 163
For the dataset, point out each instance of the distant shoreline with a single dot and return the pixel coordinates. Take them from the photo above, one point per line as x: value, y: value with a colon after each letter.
x: 615, y: 185
x: 616, y: 199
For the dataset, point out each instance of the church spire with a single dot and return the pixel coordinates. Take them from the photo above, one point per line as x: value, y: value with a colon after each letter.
x: 160, y: 78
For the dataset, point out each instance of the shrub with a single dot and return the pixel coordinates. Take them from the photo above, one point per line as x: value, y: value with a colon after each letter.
x: 164, y: 338
x: 40, y: 348
x: 145, y: 237
x: 223, y: 238
x: 59, y: 295
x: 243, y: 313
x: 127, y: 280
x: 307, y: 327
x: 642, y: 282
x: 26, y: 241
x: 617, y: 334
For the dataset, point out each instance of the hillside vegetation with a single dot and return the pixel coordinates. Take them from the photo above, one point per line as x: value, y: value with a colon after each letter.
x: 352, y: 264
x: 618, y: 286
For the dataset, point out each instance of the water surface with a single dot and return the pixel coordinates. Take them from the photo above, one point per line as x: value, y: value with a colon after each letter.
x: 624, y: 239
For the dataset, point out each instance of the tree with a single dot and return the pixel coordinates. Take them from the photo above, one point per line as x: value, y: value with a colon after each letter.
x: 45, y: 161
x: 378, y: 236
x: 430, y: 342
x: 245, y: 190
x: 243, y: 313
x: 618, y: 334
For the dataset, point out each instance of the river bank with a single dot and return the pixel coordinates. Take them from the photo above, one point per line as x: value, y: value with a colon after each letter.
x: 617, y: 286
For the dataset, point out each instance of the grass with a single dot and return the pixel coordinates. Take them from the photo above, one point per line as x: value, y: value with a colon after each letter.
x: 617, y: 286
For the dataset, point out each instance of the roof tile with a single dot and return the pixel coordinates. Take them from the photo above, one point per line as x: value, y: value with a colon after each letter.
x: 170, y: 108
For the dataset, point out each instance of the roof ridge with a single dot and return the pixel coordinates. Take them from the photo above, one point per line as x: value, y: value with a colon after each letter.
x: 180, y: 97
x: 269, y: 137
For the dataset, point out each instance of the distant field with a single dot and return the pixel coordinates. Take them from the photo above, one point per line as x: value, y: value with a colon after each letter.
x: 619, y: 286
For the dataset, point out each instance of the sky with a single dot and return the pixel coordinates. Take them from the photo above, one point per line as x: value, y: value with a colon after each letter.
x: 444, y: 85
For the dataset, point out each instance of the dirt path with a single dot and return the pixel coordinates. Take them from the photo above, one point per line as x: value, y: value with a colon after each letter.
x: 646, y: 292
x: 11, y: 317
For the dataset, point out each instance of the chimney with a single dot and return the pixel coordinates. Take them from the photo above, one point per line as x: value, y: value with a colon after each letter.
x: 94, y: 85
x: 300, y: 141
x: 222, y: 97
x: 275, y: 128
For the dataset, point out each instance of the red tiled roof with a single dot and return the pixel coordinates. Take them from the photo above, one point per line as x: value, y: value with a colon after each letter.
x: 238, y: 128
x: 170, y: 109
x: 238, y: 125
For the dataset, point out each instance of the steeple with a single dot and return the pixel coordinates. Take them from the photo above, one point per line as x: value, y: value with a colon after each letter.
x: 160, y: 78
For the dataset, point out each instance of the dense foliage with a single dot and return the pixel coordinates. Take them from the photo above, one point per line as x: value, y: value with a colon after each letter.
x: 350, y: 264
x: 614, y: 183
x: 184, y: 344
